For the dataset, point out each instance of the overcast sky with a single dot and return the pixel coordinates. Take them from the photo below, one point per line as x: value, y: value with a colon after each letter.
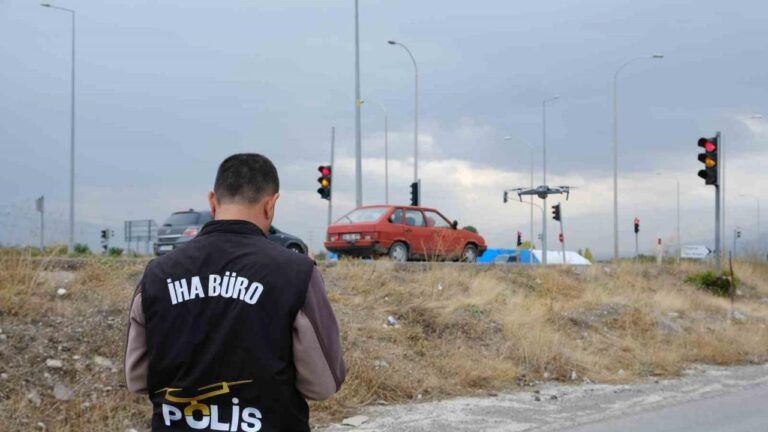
x: 167, y: 89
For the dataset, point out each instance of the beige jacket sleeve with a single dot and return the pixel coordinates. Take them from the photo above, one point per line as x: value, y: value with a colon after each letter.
x: 320, y: 368
x: 136, y: 359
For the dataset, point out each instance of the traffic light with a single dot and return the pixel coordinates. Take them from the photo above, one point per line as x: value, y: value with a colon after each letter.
x: 104, y: 234
x: 519, y: 238
x: 637, y: 225
x: 415, y: 193
x: 556, y: 212
x: 506, y: 197
x: 709, y: 159
x: 325, y: 182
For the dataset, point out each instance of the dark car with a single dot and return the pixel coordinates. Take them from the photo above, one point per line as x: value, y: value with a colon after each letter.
x: 179, y: 228
x: 183, y: 226
x: 289, y: 241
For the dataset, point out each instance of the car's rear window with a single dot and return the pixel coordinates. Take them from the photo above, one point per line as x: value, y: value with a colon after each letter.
x: 371, y: 214
x: 186, y: 218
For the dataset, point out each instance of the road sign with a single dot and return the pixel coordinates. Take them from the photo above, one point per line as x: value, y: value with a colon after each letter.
x: 695, y: 252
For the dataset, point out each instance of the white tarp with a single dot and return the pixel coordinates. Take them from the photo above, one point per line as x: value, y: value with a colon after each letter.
x: 556, y: 257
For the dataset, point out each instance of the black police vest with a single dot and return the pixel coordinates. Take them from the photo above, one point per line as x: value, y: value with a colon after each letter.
x: 219, y: 323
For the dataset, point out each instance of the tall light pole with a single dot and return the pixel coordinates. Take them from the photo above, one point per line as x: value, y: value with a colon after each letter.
x: 358, y: 132
x: 530, y: 198
x: 544, y: 172
x: 415, y: 112
x: 679, y: 241
x: 757, y: 200
x: 386, y: 148
x: 72, y: 134
x: 616, y: 151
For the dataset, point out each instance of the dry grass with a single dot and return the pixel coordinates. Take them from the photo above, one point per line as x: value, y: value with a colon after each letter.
x: 462, y: 330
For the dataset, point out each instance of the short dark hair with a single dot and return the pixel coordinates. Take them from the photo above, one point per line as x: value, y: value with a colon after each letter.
x: 246, y: 178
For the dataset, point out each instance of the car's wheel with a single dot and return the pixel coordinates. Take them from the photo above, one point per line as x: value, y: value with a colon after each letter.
x: 398, y: 252
x: 296, y: 248
x: 470, y: 254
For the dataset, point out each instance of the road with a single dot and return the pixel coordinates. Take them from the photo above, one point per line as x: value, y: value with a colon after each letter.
x: 704, y: 399
x: 744, y: 411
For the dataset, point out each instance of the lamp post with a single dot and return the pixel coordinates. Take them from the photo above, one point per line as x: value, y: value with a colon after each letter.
x: 386, y: 148
x: 616, y: 151
x: 757, y: 200
x: 415, y: 112
x: 679, y: 241
x: 544, y: 172
x: 71, y: 245
x: 530, y: 199
x: 358, y: 132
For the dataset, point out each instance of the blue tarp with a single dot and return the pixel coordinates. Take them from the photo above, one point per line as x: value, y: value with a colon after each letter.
x: 490, y: 255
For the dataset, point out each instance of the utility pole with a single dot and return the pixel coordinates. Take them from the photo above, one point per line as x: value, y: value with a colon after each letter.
x: 544, y: 174
x: 330, y: 197
x: 40, y: 206
x: 71, y: 245
x: 358, y: 132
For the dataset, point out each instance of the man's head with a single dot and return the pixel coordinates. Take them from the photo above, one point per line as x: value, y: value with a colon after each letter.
x: 246, y: 188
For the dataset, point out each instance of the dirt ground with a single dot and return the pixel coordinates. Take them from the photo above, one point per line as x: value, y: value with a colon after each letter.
x: 410, y: 333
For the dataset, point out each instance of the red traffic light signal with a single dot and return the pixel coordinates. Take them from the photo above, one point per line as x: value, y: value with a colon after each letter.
x: 637, y: 225
x: 562, y: 238
x: 325, y: 182
x: 709, y: 159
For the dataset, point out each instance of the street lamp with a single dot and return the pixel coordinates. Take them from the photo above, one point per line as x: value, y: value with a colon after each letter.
x: 71, y: 245
x: 530, y: 198
x: 616, y: 151
x: 386, y: 148
x: 757, y: 200
x: 544, y: 171
x: 415, y: 111
x: 679, y: 242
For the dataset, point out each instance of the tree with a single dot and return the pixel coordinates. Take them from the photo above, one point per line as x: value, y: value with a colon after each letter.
x: 588, y: 255
x: 581, y: 252
x: 526, y: 245
x: 470, y: 228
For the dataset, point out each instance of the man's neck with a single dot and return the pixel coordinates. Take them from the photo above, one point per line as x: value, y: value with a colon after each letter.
x: 243, y: 212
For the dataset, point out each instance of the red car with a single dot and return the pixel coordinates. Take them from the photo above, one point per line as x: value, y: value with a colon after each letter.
x: 403, y: 233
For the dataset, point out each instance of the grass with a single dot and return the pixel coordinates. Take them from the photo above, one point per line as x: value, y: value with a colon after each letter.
x: 461, y: 330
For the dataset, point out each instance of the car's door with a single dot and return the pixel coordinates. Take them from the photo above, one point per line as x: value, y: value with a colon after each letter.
x: 444, y: 241
x: 393, y: 228
x: 416, y: 233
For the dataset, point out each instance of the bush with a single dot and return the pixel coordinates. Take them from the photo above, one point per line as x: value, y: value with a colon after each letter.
x: 588, y: 255
x: 57, y: 250
x: 470, y: 228
x: 82, y: 249
x: 719, y: 285
x: 115, y: 252
x: 321, y: 256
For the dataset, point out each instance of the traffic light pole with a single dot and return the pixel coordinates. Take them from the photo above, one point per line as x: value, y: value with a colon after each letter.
x: 718, y: 211
x: 562, y: 233
x: 330, y: 197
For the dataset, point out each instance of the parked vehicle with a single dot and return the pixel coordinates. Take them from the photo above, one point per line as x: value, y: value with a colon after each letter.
x: 183, y: 226
x: 179, y: 228
x: 287, y: 240
x: 403, y: 233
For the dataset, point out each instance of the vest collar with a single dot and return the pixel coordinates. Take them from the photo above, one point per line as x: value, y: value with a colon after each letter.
x: 231, y: 226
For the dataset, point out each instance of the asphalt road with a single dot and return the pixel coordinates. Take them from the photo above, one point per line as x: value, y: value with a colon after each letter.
x: 744, y: 411
x: 704, y: 399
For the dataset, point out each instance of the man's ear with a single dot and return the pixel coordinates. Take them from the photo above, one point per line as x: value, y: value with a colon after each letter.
x: 269, y: 208
x: 212, y: 203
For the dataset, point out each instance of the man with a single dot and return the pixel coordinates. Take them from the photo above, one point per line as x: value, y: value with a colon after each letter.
x: 232, y: 332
